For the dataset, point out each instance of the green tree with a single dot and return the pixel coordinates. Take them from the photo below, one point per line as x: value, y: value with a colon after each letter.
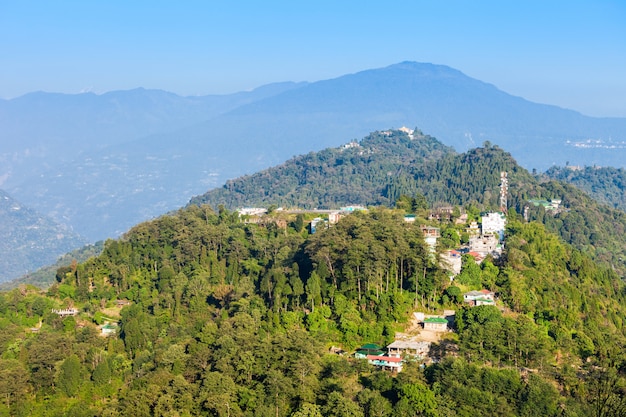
x: 69, y: 376
x: 416, y: 400
x: 308, y: 410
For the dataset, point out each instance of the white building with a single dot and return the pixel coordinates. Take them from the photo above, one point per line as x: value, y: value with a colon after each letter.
x: 479, y: 298
x: 494, y: 223
x: 251, y: 211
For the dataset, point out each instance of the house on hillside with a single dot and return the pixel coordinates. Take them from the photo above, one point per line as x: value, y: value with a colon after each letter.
x: 66, y: 312
x: 369, y: 349
x: 486, y: 245
x: 462, y: 219
x: 417, y: 349
x: 386, y: 363
x: 108, y: 329
x: 335, y: 216
x: 479, y: 298
x: 315, y: 224
x: 431, y: 234
x: 473, y: 229
x: 436, y: 324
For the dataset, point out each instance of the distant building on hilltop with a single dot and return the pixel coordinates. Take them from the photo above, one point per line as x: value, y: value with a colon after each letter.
x: 251, y: 211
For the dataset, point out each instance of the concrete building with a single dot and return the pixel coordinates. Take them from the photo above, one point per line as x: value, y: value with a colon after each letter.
x: 494, y: 223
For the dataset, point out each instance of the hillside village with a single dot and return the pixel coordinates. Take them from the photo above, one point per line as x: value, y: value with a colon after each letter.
x: 426, y: 337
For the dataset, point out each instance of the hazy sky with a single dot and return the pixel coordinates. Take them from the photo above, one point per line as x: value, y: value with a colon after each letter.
x: 568, y: 53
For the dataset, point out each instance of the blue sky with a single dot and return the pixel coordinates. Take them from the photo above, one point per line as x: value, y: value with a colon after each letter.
x: 568, y: 53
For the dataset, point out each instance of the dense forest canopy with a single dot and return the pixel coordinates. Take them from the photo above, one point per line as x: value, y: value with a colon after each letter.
x: 362, y: 172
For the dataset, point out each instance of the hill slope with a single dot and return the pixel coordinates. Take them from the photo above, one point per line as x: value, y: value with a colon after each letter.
x: 386, y: 165
x: 605, y: 184
x: 227, y: 318
x: 29, y: 240
x: 362, y: 172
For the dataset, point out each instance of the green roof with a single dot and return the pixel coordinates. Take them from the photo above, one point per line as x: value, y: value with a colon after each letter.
x: 370, y: 346
x: 435, y: 320
x: 366, y: 352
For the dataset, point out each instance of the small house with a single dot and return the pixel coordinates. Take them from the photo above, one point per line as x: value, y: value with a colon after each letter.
x: 437, y: 324
x: 479, y: 298
x: 335, y: 216
x: 66, y: 312
x: 413, y: 348
x: 369, y: 349
x: 108, y: 329
x: 386, y: 363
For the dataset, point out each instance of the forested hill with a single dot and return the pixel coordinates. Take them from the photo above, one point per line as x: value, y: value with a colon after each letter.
x: 222, y: 318
x: 605, y: 184
x: 385, y: 165
x: 359, y: 172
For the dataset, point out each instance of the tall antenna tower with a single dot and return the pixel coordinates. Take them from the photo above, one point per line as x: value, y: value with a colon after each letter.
x: 504, y: 189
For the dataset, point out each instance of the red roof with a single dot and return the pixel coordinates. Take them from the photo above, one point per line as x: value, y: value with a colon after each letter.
x: 384, y: 358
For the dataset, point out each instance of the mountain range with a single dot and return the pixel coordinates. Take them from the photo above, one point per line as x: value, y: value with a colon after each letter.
x: 101, y: 163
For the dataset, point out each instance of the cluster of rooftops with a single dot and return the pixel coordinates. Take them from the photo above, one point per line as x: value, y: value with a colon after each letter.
x: 393, y: 356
